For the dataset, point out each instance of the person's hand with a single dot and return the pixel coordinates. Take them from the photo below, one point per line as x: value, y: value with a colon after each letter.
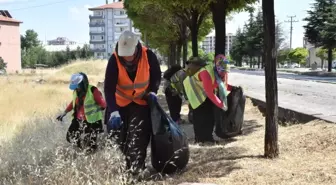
x: 114, y: 122
x: 224, y: 107
x: 152, y: 96
x: 61, y: 116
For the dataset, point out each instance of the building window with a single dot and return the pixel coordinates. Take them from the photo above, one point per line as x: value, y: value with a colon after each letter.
x: 122, y: 13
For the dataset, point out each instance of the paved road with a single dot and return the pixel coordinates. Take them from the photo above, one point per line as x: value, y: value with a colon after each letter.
x: 289, y: 76
x: 314, y: 98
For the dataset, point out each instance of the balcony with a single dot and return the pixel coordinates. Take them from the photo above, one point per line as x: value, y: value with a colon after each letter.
x: 120, y: 16
x: 97, y: 41
x: 98, y: 49
x: 121, y: 24
x: 96, y: 16
x: 97, y: 33
x: 97, y: 24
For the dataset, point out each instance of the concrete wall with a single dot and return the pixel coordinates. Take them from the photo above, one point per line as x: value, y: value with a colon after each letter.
x: 10, y: 45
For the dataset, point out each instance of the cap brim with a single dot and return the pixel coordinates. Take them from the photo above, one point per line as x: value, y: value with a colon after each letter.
x: 73, y: 86
x: 126, y: 51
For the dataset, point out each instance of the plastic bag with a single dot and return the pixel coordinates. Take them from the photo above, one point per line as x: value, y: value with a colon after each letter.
x: 229, y: 123
x: 169, y: 145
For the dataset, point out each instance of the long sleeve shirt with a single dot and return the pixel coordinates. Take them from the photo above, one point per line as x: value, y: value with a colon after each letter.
x: 99, y: 99
x: 210, y: 85
x: 111, y: 79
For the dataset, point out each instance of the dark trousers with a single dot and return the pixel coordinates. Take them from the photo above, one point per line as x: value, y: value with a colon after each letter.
x: 174, y: 104
x: 134, y: 136
x: 204, y: 122
x: 90, y: 131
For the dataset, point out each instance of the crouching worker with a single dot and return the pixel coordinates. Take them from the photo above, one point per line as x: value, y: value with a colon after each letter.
x: 200, y: 87
x: 87, y: 105
x: 174, y: 91
x: 132, y: 76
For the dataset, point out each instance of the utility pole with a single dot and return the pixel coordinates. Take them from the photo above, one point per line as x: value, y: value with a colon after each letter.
x: 291, y: 28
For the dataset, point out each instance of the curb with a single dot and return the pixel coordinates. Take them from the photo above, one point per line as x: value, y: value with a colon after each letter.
x: 285, y: 115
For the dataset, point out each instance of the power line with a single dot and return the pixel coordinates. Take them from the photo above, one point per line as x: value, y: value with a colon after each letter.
x: 18, y: 2
x: 291, y: 28
x: 42, y: 5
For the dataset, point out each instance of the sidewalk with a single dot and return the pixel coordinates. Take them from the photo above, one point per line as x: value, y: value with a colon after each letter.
x: 307, y: 97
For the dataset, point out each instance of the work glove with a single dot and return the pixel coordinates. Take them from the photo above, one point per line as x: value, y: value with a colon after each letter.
x: 152, y: 96
x: 60, y: 117
x: 224, y: 108
x: 114, y: 122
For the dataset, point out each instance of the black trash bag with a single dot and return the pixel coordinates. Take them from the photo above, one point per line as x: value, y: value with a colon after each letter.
x: 229, y: 123
x: 169, y: 145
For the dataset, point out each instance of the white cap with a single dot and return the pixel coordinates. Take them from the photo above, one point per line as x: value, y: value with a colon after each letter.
x: 127, y: 43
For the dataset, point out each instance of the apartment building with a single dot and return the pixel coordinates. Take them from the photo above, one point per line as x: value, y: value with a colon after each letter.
x: 10, y: 43
x: 208, y: 44
x: 61, y: 41
x: 107, y: 22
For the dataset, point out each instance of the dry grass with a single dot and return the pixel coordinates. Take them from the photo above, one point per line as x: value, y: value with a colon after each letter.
x: 39, y: 154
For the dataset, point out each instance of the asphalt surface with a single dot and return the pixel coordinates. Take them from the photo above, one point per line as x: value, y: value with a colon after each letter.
x: 296, y: 92
x: 288, y: 76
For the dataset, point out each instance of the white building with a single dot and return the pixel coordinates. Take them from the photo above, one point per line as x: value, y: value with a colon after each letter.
x: 106, y: 24
x: 208, y: 44
x: 312, y: 58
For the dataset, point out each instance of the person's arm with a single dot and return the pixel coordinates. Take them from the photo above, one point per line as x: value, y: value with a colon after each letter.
x: 110, y: 84
x: 69, y: 107
x: 155, y: 72
x: 99, y: 99
x: 225, y: 79
x: 207, y: 84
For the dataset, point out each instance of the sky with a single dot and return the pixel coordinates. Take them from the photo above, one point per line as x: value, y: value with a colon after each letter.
x: 70, y: 18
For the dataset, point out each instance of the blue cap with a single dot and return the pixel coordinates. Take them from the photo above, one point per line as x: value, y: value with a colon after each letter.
x: 75, y: 80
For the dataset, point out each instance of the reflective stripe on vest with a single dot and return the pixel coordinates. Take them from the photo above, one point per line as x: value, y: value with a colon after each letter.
x: 194, y: 88
x: 92, y: 111
x: 128, y: 91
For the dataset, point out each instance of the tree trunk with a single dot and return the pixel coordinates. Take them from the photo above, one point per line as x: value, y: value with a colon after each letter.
x: 172, y: 54
x: 178, y: 52
x: 184, y: 44
x: 218, y: 17
x: 330, y: 53
x: 194, y: 34
x: 259, y: 67
x: 185, y: 52
x: 251, y: 62
x: 271, y: 131
x: 322, y: 63
x: 262, y: 62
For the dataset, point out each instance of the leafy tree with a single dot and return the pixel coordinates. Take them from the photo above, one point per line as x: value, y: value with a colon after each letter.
x: 328, y: 33
x: 29, y: 40
x: 271, y: 84
x: 283, y: 56
x: 298, y: 55
x: 320, y: 26
x: 3, y: 65
x: 323, y: 55
x: 220, y: 9
x: 237, y: 52
x: 192, y: 12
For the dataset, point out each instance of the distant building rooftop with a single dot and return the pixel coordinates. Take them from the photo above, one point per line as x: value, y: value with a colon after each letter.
x: 5, y: 16
x: 116, y: 5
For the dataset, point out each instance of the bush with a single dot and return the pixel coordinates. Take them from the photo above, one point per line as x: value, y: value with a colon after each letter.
x: 38, y: 55
x: 3, y: 65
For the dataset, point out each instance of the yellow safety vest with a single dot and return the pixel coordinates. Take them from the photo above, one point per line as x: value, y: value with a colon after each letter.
x: 194, y: 88
x: 177, y: 81
x: 93, y: 112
